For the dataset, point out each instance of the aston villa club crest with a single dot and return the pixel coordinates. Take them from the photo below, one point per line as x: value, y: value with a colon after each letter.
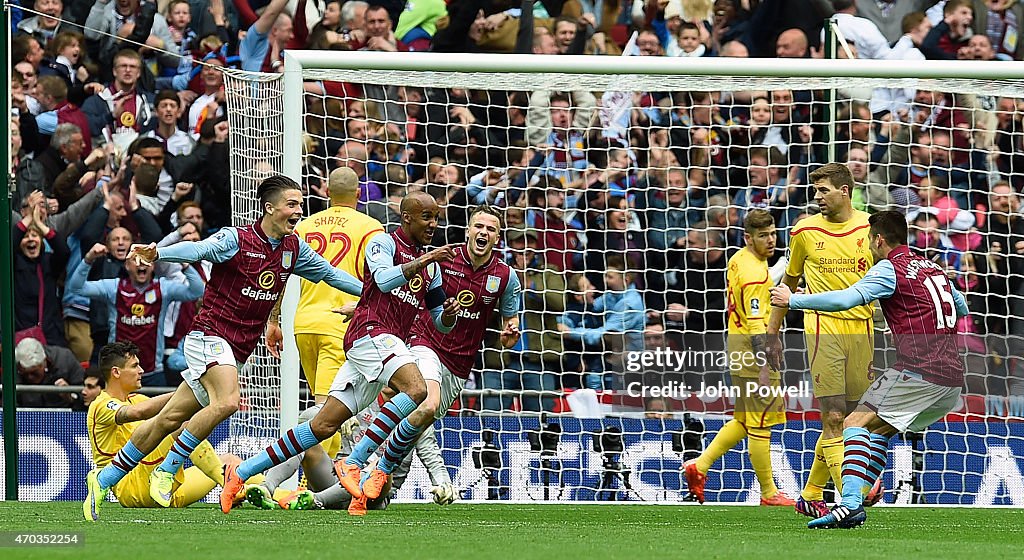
x: 151, y: 297
x: 493, y: 282
x: 286, y: 259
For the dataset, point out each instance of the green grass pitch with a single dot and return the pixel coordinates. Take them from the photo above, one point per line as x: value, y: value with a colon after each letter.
x: 509, y: 531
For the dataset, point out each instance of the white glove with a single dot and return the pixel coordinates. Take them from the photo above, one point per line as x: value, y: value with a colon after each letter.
x: 443, y: 494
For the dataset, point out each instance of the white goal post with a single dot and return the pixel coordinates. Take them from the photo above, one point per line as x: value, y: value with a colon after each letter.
x: 268, y: 116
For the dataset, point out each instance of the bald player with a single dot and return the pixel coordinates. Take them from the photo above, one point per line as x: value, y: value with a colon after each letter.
x: 401, y: 277
x: 339, y: 234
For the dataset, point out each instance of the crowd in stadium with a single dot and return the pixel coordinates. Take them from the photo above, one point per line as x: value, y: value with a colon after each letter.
x: 619, y: 229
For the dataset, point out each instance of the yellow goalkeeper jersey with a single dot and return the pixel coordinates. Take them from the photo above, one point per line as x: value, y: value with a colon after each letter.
x: 339, y: 234
x: 831, y: 256
x: 747, y: 282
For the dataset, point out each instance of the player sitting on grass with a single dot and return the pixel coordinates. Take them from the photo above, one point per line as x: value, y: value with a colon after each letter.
x: 748, y: 282
x: 115, y: 414
x: 921, y: 307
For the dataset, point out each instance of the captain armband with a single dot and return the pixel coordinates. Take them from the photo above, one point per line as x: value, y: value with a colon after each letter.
x: 435, y: 298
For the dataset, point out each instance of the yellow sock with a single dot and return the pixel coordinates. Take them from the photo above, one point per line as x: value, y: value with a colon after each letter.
x: 332, y: 445
x: 204, y: 456
x: 819, y: 475
x: 759, y: 440
x: 833, y: 450
x: 731, y: 433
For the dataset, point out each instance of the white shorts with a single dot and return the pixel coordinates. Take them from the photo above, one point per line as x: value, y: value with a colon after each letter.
x: 201, y: 353
x: 433, y: 370
x: 369, y: 366
x: 907, y: 402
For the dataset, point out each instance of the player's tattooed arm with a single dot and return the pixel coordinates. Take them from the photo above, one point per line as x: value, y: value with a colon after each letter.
x: 275, y: 313
x: 141, y: 411
x: 773, y: 342
x: 413, y: 267
x: 759, y: 342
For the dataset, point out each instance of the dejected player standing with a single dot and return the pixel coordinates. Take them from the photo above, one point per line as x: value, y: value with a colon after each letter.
x: 830, y: 252
x: 402, y: 277
x: 921, y: 307
x: 747, y: 282
x: 251, y: 267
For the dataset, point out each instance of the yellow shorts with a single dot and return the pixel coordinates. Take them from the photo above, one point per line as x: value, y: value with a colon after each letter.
x: 190, y: 486
x: 321, y: 357
x: 840, y: 352
x: 759, y: 410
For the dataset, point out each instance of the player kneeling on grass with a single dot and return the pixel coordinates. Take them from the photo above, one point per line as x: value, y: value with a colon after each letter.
x: 748, y: 283
x: 115, y: 414
x: 921, y: 307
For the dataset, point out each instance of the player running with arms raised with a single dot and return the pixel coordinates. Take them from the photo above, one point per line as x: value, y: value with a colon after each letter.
x: 251, y: 266
x: 402, y: 277
x: 921, y: 307
x: 341, y: 234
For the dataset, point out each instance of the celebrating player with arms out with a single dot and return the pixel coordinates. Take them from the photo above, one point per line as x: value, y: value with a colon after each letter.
x: 341, y: 234
x: 921, y: 307
x: 830, y: 251
x: 251, y: 267
x: 115, y: 414
x: 481, y: 282
x: 748, y: 283
x: 402, y: 276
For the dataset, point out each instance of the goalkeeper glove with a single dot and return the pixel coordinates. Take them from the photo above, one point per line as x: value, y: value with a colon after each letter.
x: 349, y: 427
x: 443, y: 494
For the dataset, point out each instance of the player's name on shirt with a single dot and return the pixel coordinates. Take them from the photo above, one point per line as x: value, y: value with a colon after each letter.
x: 915, y: 266
x: 329, y: 220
